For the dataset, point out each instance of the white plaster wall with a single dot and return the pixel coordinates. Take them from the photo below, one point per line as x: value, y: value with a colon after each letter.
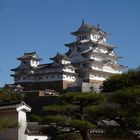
x: 96, y: 50
x: 96, y: 37
x: 103, y: 50
x: 105, y: 69
x: 34, y: 63
x: 68, y: 70
x: 45, y: 78
x: 69, y: 78
x: 96, y: 77
x: 112, y: 54
x: 96, y: 58
x: 92, y: 37
x: 109, y: 69
x: 37, y: 137
x: 58, y: 78
x: 94, y: 67
x: 65, y: 62
x: 104, y: 40
x: 22, y: 125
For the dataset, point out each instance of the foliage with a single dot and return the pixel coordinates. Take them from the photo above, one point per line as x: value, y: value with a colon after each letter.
x: 6, y: 96
x: 37, y: 102
x: 120, y: 81
x: 72, y: 114
x: 129, y: 107
x: 6, y: 123
x: 69, y: 136
x: 117, y: 133
x: 122, y: 106
x: 79, y: 112
x: 34, y: 118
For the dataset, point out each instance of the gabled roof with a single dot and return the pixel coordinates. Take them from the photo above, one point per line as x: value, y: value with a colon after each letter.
x: 31, y: 55
x: 34, y: 129
x: 60, y: 57
x: 88, y: 28
x: 22, y: 68
x: 42, y: 66
x: 15, y: 105
x: 9, y: 105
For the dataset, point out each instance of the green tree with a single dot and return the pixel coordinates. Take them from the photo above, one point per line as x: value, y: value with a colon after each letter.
x: 6, y: 96
x: 6, y: 123
x: 128, y: 101
x: 120, y: 81
x: 123, y: 106
x: 72, y: 114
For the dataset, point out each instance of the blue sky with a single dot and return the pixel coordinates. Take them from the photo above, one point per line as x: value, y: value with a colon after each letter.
x: 44, y: 26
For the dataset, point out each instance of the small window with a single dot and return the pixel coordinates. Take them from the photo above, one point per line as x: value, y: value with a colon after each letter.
x: 35, y: 139
x: 52, y: 76
x: 40, y: 77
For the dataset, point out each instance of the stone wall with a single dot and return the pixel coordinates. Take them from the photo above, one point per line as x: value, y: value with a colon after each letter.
x: 56, y: 85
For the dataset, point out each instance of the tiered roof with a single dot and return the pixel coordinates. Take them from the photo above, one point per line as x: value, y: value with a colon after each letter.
x: 88, y: 28
x: 31, y: 55
x: 88, y: 42
x: 60, y: 57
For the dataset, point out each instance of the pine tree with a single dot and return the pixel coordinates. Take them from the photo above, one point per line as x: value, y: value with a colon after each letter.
x: 71, y: 115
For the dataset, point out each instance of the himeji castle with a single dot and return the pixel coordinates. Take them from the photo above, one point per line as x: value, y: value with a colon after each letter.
x: 88, y: 62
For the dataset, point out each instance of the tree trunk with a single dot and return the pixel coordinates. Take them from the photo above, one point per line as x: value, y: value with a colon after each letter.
x: 85, y: 134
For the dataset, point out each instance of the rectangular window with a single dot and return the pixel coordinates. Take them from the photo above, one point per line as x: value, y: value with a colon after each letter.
x: 35, y: 139
x: 40, y: 77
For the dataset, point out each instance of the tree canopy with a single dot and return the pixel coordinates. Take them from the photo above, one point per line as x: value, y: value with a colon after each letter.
x: 6, y: 96
x: 120, y: 81
x: 72, y: 114
x: 80, y: 112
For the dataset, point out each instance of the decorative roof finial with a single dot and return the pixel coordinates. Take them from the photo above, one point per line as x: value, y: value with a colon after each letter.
x: 98, y: 26
x: 83, y: 22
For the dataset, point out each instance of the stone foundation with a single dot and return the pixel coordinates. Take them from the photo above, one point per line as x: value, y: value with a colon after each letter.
x: 56, y: 85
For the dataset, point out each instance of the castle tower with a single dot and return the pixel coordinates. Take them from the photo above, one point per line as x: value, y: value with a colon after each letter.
x: 94, y: 59
x: 25, y: 71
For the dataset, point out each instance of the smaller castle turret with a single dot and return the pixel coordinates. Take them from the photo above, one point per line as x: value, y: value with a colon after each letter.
x: 29, y: 59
